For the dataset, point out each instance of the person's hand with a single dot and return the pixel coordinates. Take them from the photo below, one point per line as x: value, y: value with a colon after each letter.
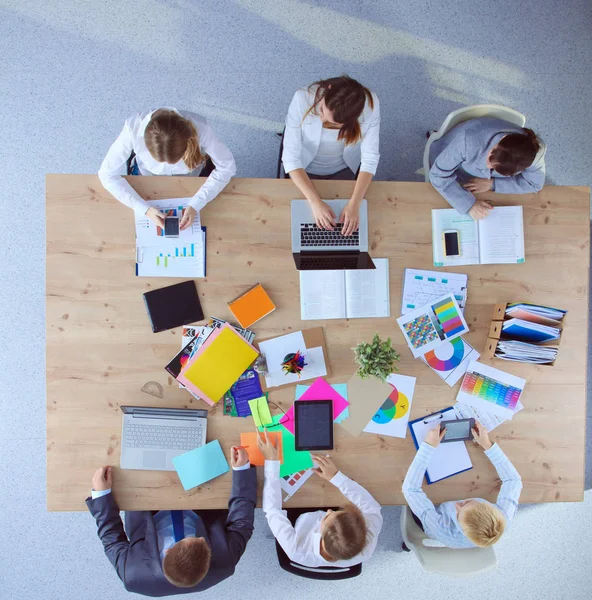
x: 476, y: 185
x: 102, y: 479
x: 434, y: 436
x: 323, y: 214
x: 326, y: 467
x: 188, y: 216
x: 481, y: 437
x: 480, y: 209
x: 156, y: 216
x: 267, y: 447
x: 350, y: 217
x: 238, y: 457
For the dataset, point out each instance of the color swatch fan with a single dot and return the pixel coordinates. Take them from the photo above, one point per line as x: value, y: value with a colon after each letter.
x: 450, y: 360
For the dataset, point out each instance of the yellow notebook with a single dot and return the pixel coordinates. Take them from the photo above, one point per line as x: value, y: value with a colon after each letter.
x: 220, y: 365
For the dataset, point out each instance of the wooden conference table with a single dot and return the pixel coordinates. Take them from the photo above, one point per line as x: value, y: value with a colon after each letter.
x: 101, y: 350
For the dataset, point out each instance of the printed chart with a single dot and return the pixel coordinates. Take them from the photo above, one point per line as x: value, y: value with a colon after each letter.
x: 423, y: 287
x: 451, y: 359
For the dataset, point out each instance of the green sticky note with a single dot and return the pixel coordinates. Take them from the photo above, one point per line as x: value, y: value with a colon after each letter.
x: 520, y: 260
x: 294, y: 460
x: 438, y: 264
x: 260, y: 411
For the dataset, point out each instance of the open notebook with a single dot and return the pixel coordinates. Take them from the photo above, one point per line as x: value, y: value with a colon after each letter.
x: 496, y: 239
x: 350, y: 294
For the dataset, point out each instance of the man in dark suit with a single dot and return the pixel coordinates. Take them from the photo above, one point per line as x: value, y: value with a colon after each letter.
x: 176, y: 552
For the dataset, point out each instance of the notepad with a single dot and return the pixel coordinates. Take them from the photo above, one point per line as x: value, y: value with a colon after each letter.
x: 200, y: 465
x: 349, y: 294
x: 221, y: 360
x: 249, y: 440
x: 252, y: 306
x: 496, y: 239
x: 448, y: 459
x: 260, y: 411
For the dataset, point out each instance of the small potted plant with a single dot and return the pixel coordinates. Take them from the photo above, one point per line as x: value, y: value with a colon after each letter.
x: 377, y: 359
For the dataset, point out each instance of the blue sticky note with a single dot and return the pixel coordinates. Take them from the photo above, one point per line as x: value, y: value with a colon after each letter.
x: 200, y: 465
x: 340, y: 388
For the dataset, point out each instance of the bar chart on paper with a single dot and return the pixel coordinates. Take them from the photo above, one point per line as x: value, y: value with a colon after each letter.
x: 182, y: 260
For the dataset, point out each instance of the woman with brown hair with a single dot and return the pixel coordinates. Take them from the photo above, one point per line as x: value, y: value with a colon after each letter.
x: 332, y: 132
x: 167, y: 142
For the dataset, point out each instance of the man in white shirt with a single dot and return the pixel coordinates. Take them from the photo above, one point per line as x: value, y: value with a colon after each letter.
x: 322, y: 538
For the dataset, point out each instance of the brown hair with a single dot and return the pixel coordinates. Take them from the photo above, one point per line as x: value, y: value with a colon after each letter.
x: 515, y: 152
x: 169, y: 138
x: 345, y: 536
x: 483, y: 524
x: 345, y: 98
x: 187, y: 562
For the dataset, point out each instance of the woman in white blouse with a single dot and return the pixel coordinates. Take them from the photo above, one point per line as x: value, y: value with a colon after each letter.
x: 167, y: 141
x: 332, y: 130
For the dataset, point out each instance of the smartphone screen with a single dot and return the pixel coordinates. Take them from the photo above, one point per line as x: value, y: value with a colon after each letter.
x: 457, y: 430
x: 171, y: 226
x: 451, y: 243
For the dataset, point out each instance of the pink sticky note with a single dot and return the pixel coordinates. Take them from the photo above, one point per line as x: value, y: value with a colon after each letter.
x: 319, y: 390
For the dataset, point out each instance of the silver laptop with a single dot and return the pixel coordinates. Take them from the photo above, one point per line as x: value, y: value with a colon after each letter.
x: 152, y: 437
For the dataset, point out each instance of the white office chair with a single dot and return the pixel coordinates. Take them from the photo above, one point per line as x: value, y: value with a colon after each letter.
x: 464, y: 114
x: 455, y: 562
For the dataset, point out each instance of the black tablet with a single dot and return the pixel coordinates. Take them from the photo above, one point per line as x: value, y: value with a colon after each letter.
x: 313, y: 421
x: 458, y: 431
x: 173, y: 306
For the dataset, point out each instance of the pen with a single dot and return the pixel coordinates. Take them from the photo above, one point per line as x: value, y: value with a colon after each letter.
x: 241, y: 447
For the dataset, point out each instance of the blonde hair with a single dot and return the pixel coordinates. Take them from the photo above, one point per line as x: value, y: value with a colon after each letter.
x: 483, y: 524
x: 170, y: 137
x: 187, y: 562
x: 345, y: 536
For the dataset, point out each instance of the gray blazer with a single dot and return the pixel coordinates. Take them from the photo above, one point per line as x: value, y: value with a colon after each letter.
x: 462, y: 153
x: 136, y: 556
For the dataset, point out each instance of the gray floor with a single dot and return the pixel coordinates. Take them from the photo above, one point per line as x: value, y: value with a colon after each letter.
x: 72, y: 71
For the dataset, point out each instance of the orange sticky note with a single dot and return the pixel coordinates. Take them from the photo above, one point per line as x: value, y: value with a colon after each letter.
x: 250, y: 441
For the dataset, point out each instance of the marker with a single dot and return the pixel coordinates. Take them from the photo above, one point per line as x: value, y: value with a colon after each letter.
x: 241, y: 447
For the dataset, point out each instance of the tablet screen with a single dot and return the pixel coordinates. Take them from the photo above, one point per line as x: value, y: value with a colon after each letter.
x: 458, y: 430
x: 313, y: 424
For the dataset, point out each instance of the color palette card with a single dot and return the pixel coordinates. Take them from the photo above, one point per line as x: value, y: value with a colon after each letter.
x: 292, y: 483
x: 200, y: 465
x: 249, y: 440
x: 427, y: 327
x: 450, y: 360
x: 490, y: 389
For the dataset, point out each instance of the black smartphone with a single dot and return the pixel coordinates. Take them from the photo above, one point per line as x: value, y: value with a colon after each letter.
x: 458, y: 431
x: 451, y: 244
x: 171, y: 227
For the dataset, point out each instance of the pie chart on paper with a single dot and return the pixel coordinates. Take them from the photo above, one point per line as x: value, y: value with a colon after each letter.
x: 394, y: 407
x: 446, y: 356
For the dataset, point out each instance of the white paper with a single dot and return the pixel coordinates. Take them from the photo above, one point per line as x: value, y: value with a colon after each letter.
x: 315, y: 368
x: 322, y: 295
x: 367, y: 291
x: 387, y: 423
x: 486, y: 405
x: 422, y: 287
x: 468, y: 237
x: 447, y: 351
x: 448, y: 459
x: 296, y: 483
x: 501, y: 236
x: 488, y: 420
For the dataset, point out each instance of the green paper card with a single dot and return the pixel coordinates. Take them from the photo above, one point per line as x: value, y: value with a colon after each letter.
x: 260, y: 411
x: 294, y: 460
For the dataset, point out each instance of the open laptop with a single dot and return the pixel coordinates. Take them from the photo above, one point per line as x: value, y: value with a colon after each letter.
x: 152, y: 437
x: 316, y: 249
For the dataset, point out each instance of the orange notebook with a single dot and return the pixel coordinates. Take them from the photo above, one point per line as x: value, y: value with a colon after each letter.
x: 252, y: 306
x: 249, y: 440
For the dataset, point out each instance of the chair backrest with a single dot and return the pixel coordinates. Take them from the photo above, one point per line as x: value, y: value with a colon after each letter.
x: 280, y: 167
x: 464, y: 114
x: 445, y: 561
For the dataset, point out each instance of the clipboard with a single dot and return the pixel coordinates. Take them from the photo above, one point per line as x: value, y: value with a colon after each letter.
x: 313, y: 338
x: 449, y: 459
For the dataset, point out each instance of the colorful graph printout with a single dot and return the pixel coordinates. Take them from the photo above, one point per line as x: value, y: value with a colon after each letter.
x: 451, y: 359
x: 449, y: 317
x: 420, y: 331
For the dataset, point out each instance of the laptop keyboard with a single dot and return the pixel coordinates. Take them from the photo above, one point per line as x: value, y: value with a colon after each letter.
x: 311, y: 235
x: 166, y: 438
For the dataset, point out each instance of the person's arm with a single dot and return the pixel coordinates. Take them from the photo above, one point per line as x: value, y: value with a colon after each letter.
x: 225, y: 168
x: 109, y: 525
x: 509, y: 494
x: 530, y: 181
x: 443, y: 172
x: 370, y: 146
x: 115, y: 165
x: 291, y: 154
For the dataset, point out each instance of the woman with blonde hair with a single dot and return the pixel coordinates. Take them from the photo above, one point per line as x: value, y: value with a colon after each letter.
x: 332, y: 132
x: 167, y: 141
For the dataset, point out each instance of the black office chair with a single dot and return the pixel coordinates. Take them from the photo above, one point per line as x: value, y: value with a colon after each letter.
x: 280, y: 167
x: 324, y: 573
x: 205, y: 172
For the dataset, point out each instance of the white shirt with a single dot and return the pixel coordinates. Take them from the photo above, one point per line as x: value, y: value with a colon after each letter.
x: 302, y: 542
x: 329, y: 157
x: 131, y: 139
x: 302, y: 136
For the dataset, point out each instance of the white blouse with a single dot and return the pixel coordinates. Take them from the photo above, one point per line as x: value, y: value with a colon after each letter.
x: 329, y: 157
x: 131, y: 139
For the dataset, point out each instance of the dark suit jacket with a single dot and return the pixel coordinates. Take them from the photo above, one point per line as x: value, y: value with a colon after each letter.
x: 136, y: 556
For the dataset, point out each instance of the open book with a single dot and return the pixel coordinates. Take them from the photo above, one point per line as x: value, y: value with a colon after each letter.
x: 496, y: 239
x: 350, y: 294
